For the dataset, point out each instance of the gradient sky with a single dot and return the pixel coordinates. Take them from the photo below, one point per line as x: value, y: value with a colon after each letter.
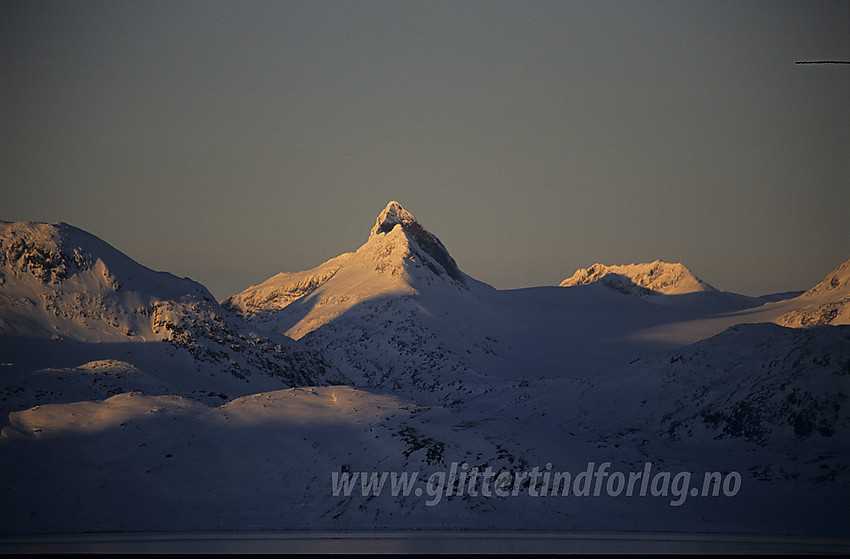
x: 229, y: 141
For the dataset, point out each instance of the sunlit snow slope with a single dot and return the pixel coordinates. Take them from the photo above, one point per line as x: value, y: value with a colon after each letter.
x: 826, y: 303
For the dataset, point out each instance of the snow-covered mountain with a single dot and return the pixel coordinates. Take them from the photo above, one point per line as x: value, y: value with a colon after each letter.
x: 828, y: 302
x: 641, y: 279
x: 158, y: 409
x: 662, y: 283
x: 399, y: 258
x: 64, y: 291
x: 57, y: 281
x: 396, y: 312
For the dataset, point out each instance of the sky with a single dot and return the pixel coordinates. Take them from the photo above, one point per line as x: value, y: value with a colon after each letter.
x: 230, y: 141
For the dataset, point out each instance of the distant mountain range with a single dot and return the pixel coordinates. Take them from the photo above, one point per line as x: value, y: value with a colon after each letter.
x: 132, y: 400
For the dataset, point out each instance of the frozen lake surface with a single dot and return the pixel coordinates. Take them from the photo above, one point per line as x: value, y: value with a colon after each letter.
x: 419, y: 542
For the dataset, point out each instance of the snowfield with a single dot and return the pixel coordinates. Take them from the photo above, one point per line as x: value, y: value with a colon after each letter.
x: 132, y: 401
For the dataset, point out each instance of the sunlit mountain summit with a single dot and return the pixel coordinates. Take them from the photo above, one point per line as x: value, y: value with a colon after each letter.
x: 653, y: 278
x: 400, y: 257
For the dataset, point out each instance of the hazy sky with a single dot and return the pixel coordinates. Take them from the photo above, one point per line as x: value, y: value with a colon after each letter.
x: 229, y: 141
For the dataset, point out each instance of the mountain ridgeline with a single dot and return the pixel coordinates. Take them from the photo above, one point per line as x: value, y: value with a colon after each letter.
x: 391, y: 358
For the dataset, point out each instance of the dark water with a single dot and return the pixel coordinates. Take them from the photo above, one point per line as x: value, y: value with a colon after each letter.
x: 418, y: 542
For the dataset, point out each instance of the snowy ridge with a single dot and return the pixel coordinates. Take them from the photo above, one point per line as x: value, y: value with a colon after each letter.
x: 278, y: 291
x: 828, y: 302
x: 641, y: 279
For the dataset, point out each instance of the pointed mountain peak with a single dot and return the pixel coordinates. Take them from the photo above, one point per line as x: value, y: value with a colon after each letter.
x: 439, y: 260
x: 394, y: 214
